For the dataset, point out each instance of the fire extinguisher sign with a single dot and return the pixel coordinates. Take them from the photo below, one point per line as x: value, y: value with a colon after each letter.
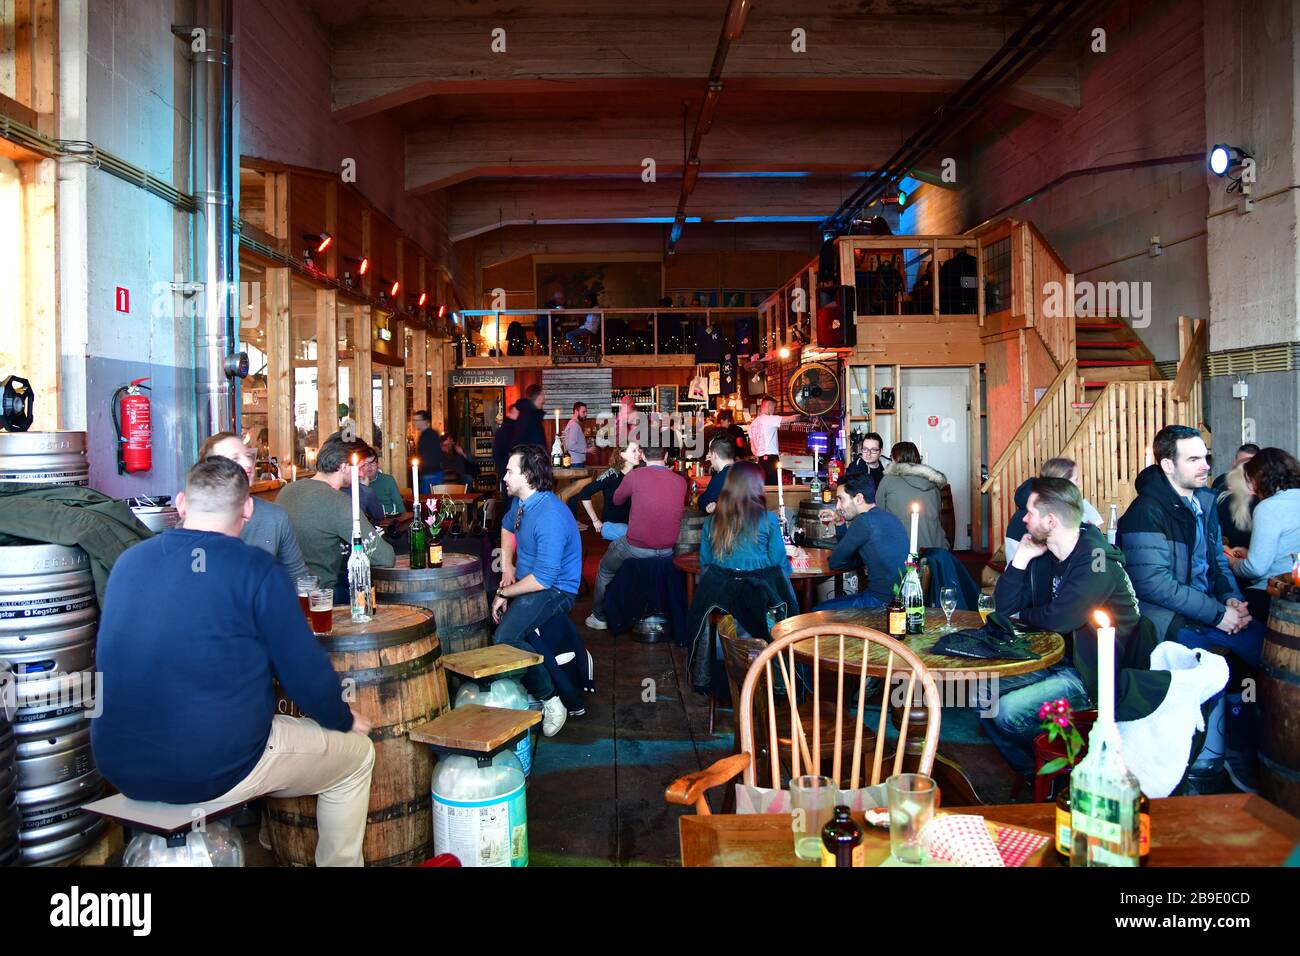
x: 123, y: 299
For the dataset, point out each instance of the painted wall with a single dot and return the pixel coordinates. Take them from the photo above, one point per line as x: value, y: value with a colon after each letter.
x: 1143, y: 99
x: 283, y: 98
x: 125, y: 87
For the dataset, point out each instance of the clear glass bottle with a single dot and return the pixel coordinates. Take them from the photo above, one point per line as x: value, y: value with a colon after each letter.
x: 361, y: 596
x: 557, y: 452
x: 1105, y: 820
x: 913, y: 599
x: 815, y: 488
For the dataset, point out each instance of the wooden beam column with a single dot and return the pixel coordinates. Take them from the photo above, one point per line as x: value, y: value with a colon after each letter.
x: 394, y: 454
x: 279, y: 365
x: 438, y: 361
x: 418, y: 365
x: 361, y: 338
x: 327, y: 361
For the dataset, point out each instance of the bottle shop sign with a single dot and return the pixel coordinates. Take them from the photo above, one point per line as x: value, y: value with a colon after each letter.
x: 123, y: 300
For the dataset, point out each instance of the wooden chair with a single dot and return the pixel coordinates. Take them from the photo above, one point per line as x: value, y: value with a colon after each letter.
x: 436, y: 490
x: 796, y: 751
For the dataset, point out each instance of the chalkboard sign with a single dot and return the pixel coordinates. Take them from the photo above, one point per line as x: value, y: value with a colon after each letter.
x: 666, y: 399
x: 563, y: 387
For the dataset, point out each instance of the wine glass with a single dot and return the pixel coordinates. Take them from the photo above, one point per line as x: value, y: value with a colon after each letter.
x: 986, y: 606
x: 948, y: 601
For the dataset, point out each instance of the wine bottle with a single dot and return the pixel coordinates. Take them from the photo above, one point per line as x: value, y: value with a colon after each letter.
x: 419, y: 540
x: 557, y: 452
x: 1105, y: 817
x: 913, y: 599
x: 842, y: 840
x: 815, y: 488
x: 361, y: 596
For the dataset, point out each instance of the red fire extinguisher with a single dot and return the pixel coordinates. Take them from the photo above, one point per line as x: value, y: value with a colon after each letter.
x: 134, y: 430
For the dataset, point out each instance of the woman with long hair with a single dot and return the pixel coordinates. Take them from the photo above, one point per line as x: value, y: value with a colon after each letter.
x: 744, y: 570
x: 612, y: 524
x: 1236, y: 505
x: 1274, y: 476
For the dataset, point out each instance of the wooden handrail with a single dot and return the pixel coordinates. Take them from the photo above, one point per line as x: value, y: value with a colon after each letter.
x: 1189, y: 366
x: 1062, y: 377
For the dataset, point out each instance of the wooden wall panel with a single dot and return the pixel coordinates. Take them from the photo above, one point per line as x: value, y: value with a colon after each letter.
x: 514, y: 275
x: 693, y: 270
x: 1005, y: 409
x: 306, y: 209
x: 754, y: 270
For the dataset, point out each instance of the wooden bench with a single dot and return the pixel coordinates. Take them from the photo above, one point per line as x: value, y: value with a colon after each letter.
x: 173, y: 821
x: 494, y: 660
x: 476, y: 731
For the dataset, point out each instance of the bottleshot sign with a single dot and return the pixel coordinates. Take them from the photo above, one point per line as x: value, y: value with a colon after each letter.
x: 481, y: 377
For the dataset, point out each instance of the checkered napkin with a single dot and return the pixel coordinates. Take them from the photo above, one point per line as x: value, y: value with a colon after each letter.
x: 962, y: 839
x: 1016, y: 846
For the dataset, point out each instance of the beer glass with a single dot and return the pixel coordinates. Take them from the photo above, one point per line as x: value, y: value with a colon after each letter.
x: 322, y: 611
x: 911, y: 807
x: 306, y: 584
x: 986, y: 606
x: 812, y: 802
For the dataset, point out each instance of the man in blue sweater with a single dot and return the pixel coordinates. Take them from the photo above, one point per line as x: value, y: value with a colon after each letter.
x: 195, y: 624
x: 874, y: 539
x: 541, y: 568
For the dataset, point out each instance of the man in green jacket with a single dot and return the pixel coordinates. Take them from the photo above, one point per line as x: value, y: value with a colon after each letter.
x: 320, y: 510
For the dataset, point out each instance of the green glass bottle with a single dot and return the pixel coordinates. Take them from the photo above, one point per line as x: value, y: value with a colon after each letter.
x: 419, y: 541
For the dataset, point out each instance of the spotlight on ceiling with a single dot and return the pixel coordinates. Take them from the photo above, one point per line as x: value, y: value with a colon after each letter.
x: 902, y: 198
x: 393, y: 286
x: 784, y: 353
x: 424, y: 297
x: 1223, y: 158
x: 322, y: 240
x: 442, y: 311
x: 363, y: 264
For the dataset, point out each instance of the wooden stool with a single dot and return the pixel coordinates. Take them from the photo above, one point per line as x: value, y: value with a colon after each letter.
x: 486, y: 663
x: 476, y: 731
x: 172, y: 821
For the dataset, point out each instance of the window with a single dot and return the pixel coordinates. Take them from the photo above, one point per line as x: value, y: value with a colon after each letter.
x: 997, y: 276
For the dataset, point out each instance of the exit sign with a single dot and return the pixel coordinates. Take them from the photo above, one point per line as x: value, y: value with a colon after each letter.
x: 123, y: 299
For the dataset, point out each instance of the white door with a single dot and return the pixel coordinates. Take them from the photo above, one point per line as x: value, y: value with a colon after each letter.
x: 936, y: 418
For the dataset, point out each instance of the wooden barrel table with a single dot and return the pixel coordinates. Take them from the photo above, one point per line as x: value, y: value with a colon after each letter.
x: 813, y: 529
x: 395, y: 665
x: 688, y: 535
x: 453, y: 592
x: 1279, y: 704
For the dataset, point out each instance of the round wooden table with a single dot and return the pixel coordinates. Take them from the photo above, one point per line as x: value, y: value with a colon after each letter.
x: 806, y: 579
x: 957, y: 788
x: 569, y: 481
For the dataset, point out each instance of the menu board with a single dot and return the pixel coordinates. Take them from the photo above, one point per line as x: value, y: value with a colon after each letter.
x: 666, y: 399
x: 564, y: 386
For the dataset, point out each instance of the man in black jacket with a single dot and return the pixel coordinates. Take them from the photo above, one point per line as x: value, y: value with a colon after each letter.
x: 869, y: 464
x: 1063, y: 571
x: 1172, y: 544
x: 528, y: 428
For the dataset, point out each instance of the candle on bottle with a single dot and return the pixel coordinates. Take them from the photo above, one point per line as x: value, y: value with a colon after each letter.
x: 415, y: 479
x: 1105, y: 668
x: 780, y: 490
x: 916, y: 517
x: 356, y: 492
x: 293, y: 472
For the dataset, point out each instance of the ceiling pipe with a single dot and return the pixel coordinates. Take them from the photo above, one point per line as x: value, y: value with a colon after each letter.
x: 733, y: 26
x: 217, y: 366
x: 1022, y: 50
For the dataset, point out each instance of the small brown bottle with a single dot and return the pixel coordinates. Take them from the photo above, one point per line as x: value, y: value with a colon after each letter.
x: 897, y: 616
x: 842, y: 840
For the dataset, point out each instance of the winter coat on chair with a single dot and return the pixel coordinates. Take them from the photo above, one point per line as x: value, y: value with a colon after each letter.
x: 904, y: 484
x: 745, y: 595
x: 1157, y: 534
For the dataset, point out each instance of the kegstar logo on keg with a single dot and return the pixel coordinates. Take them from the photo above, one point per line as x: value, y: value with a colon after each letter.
x: 134, y: 910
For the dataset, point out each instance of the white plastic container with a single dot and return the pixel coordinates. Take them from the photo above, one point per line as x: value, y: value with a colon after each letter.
x: 479, y: 813
x: 218, y: 845
x: 506, y: 693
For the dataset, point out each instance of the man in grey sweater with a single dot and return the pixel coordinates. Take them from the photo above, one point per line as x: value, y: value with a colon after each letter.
x: 269, y: 528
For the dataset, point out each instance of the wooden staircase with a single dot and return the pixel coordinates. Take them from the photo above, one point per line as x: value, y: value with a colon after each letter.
x: 1108, y: 350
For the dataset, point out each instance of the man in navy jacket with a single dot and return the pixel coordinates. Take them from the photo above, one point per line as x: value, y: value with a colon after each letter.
x: 194, y: 627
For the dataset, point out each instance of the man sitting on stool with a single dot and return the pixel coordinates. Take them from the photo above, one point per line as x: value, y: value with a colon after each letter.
x: 874, y: 540
x: 541, y: 568
x: 195, y: 624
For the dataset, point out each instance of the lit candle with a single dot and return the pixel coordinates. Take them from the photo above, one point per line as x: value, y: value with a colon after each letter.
x: 1151, y: 459
x: 293, y: 472
x: 780, y: 490
x: 356, y: 493
x: 814, y: 461
x: 415, y: 479
x: 916, y: 516
x: 1105, y: 669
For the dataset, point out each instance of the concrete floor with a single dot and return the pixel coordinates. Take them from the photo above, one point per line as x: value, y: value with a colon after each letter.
x: 595, y: 795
